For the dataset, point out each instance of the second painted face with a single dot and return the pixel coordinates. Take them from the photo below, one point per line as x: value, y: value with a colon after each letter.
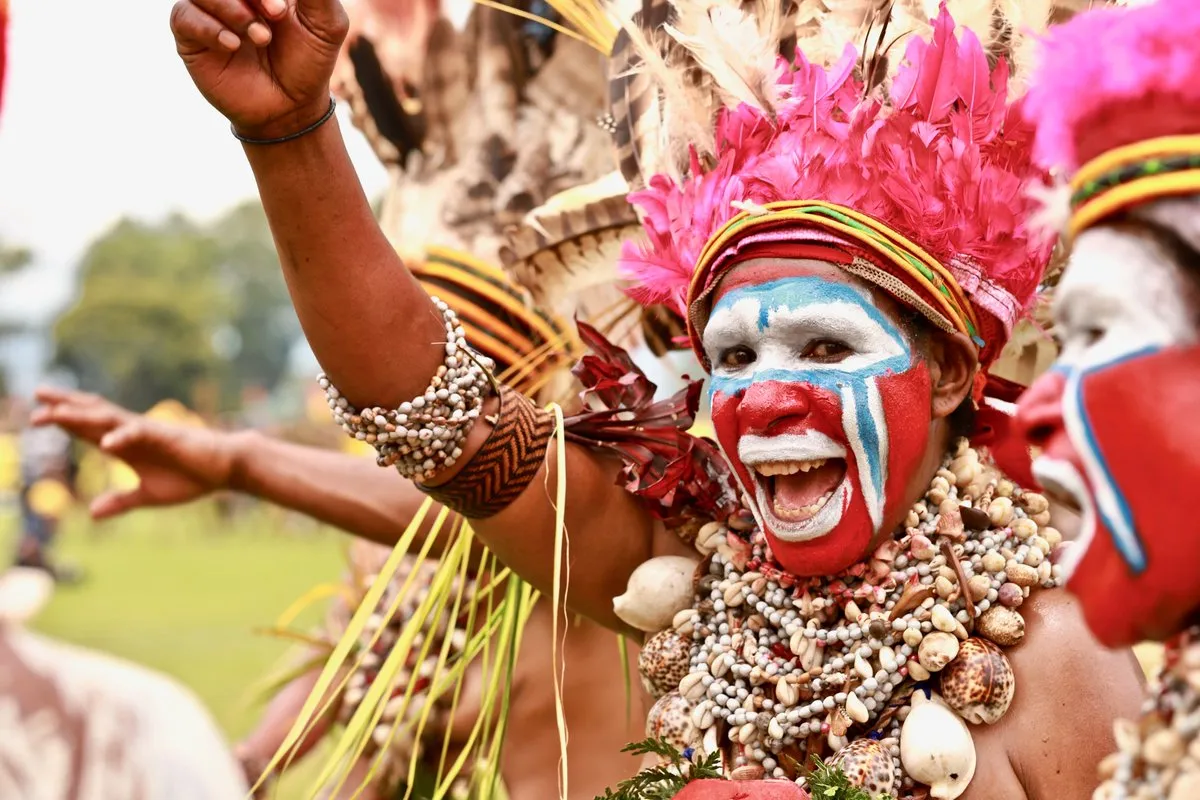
x: 1116, y: 426
x: 820, y: 405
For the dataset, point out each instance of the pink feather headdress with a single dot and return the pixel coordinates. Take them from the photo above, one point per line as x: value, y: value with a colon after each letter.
x: 941, y: 158
x: 1116, y: 101
x: 1114, y: 76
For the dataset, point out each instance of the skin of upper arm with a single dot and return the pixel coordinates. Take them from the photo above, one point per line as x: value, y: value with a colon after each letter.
x: 1069, y: 691
x: 608, y: 534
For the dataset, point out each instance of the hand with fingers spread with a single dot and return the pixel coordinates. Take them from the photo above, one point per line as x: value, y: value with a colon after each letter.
x: 264, y: 64
x: 174, y: 463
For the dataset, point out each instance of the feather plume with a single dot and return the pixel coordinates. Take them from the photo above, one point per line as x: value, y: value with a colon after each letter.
x: 1114, y: 76
x: 678, y: 112
x: 945, y: 163
x: 729, y: 46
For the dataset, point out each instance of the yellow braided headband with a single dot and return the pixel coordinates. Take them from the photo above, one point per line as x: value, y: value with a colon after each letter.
x: 1127, y: 176
x: 910, y: 259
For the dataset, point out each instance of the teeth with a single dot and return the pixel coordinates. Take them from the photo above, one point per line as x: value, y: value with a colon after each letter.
x: 809, y: 510
x: 772, y: 468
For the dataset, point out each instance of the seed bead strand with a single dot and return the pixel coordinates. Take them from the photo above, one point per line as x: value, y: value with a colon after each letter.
x: 424, y: 435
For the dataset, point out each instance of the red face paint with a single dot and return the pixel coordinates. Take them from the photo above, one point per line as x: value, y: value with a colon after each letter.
x: 1123, y: 441
x: 821, y: 408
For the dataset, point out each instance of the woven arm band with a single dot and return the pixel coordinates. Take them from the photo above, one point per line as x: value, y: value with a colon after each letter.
x: 505, y: 464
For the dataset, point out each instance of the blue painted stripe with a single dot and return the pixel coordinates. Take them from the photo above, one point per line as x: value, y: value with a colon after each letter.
x: 1128, y: 541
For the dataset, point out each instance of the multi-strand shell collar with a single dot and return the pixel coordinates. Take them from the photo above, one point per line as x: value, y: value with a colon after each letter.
x: 882, y: 668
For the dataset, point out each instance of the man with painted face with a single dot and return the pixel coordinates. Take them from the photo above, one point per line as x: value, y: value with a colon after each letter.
x: 821, y: 405
x: 1111, y: 418
x: 843, y: 577
x: 1118, y: 113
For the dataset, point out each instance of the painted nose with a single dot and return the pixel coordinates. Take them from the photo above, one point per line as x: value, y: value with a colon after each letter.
x: 768, y: 404
x: 1039, y: 412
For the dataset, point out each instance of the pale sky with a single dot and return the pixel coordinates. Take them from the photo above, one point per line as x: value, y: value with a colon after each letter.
x: 100, y: 121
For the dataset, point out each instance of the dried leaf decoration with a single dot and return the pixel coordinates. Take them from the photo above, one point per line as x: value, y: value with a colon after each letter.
x: 681, y: 477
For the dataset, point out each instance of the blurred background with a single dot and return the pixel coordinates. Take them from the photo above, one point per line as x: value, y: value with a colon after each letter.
x: 135, y: 262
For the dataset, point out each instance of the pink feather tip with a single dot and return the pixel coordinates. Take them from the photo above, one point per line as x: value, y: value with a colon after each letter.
x: 1114, y: 76
x: 947, y: 163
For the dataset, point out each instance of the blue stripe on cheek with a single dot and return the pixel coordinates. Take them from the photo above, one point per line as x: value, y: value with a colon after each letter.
x: 868, y: 433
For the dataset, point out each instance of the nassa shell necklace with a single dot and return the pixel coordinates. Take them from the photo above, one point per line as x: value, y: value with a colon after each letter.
x: 880, y: 668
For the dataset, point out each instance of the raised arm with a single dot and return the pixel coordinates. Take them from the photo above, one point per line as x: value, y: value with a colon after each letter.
x: 266, y: 66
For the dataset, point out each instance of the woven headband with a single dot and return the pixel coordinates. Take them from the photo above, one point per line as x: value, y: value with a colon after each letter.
x: 1134, y: 174
x: 898, y: 265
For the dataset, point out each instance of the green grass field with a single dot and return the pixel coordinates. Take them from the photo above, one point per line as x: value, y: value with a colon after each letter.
x: 182, y: 591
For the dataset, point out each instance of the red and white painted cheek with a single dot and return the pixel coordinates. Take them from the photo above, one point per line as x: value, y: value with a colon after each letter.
x: 1134, y: 565
x: 1119, y: 398
x: 786, y: 443
x: 819, y: 446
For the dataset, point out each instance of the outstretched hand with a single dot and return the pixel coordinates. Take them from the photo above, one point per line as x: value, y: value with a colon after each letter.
x: 264, y: 64
x: 174, y: 463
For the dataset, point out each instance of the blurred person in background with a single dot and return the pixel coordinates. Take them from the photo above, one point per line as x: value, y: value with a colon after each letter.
x: 76, y: 724
x: 178, y: 462
x: 48, y: 468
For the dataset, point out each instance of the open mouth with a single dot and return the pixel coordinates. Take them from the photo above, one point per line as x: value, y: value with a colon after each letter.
x: 796, y: 491
x: 800, y: 482
x: 1064, y: 485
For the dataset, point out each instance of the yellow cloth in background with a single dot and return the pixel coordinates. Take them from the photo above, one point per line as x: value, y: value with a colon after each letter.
x: 703, y: 428
x: 355, y: 447
x: 10, y: 463
x: 50, y: 498
x: 176, y: 412
x: 122, y: 476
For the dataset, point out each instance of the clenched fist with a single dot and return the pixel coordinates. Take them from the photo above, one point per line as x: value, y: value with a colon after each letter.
x: 264, y: 64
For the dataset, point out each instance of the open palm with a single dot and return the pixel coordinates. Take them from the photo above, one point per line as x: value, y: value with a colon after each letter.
x: 174, y: 463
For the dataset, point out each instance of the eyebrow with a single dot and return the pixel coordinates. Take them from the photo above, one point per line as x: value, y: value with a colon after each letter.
x: 844, y: 318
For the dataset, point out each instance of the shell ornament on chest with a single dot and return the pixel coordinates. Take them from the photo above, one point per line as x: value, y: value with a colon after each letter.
x: 1159, y: 753
x: 881, y: 670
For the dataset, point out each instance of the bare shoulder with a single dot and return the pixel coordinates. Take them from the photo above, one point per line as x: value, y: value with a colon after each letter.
x: 1069, y: 691
x: 1057, y: 639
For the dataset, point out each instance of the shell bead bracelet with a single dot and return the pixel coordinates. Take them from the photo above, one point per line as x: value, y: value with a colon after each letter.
x: 424, y: 435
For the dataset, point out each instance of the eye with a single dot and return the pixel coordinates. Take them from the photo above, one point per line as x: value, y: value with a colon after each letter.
x: 1077, y: 338
x: 737, y: 357
x: 826, y: 350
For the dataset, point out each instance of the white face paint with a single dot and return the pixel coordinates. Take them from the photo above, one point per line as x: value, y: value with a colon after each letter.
x: 1121, y: 293
x: 818, y: 404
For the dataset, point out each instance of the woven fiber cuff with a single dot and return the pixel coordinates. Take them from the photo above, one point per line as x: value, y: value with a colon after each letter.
x: 506, y: 464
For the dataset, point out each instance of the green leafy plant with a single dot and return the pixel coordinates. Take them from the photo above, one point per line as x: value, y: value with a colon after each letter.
x: 666, y: 780
x: 828, y: 782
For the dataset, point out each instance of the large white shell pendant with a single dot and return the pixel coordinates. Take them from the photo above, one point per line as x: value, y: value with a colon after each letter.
x: 936, y: 748
x: 657, y: 590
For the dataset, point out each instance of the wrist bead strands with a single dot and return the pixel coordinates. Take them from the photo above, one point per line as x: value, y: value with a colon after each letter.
x: 424, y: 435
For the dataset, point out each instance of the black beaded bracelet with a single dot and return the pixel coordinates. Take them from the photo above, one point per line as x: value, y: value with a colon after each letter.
x: 290, y: 136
